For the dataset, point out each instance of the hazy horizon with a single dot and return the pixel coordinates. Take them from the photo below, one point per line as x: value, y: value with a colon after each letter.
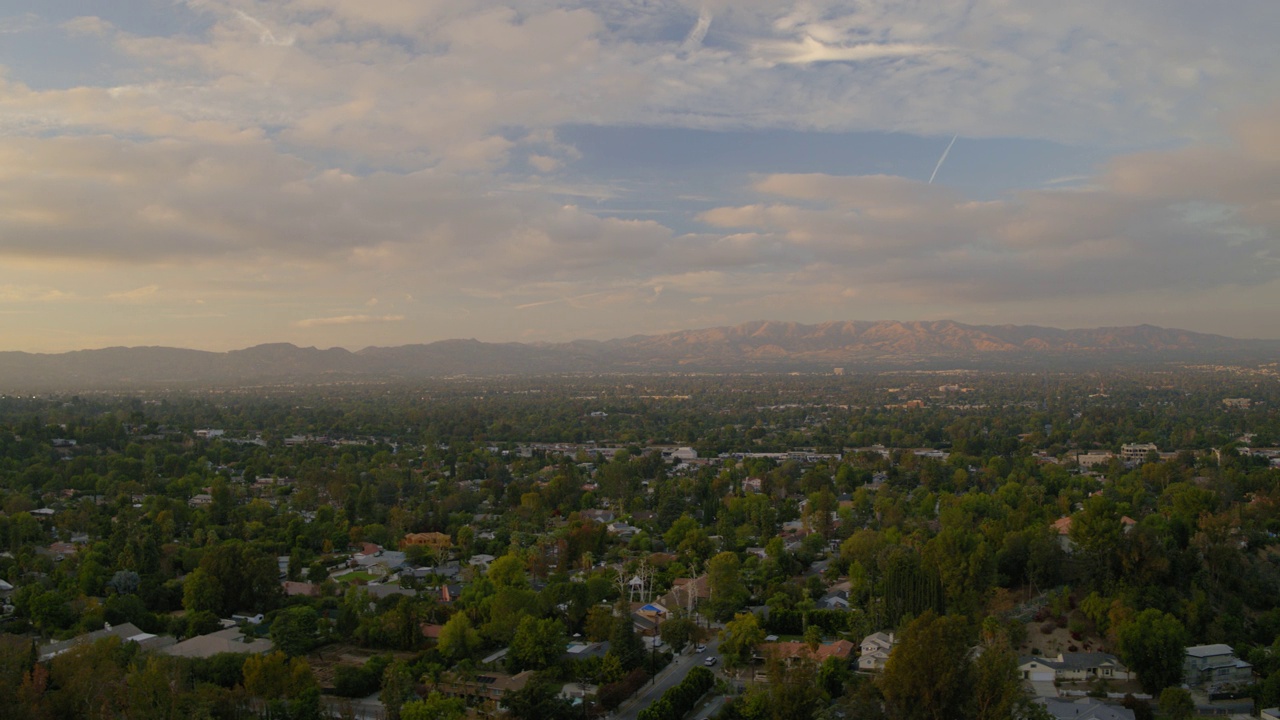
x: 219, y: 174
x: 618, y: 336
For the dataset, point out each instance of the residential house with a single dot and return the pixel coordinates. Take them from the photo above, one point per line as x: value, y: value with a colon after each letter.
x: 789, y: 651
x: 227, y: 640
x: 128, y: 632
x: 293, y: 588
x: 487, y: 688
x: 601, y: 516
x: 437, y: 541
x: 687, y: 593
x: 874, y: 651
x: 1072, y: 667
x: 837, y: 597
x: 1215, y: 666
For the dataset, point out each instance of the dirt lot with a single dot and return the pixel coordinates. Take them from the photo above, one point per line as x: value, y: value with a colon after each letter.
x: 325, y: 659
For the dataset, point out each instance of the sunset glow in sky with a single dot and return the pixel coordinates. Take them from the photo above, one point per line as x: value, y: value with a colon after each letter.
x: 220, y: 173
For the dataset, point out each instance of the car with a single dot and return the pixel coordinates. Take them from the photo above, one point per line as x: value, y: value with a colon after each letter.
x: 699, y: 648
x: 710, y: 661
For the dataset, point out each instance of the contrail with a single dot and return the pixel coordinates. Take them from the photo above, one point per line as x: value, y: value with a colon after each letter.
x: 265, y: 37
x: 699, y: 31
x: 943, y: 159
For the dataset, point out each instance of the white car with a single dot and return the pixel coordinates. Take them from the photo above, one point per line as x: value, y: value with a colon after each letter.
x: 699, y: 648
x: 710, y: 661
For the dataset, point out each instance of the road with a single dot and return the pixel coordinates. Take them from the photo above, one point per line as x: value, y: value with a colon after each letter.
x: 669, y: 677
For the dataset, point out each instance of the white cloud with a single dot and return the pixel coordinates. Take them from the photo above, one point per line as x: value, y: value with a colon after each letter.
x: 348, y: 320
x: 136, y: 295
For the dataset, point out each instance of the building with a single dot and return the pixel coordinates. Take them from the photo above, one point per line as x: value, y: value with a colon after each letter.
x: 840, y: 649
x: 228, y: 640
x: 486, y: 688
x: 874, y: 651
x: 1215, y: 667
x: 128, y: 632
x: 1089, y: 459
x: 434, y: 540
x: 1072, y: 667
x: 1136, y: 453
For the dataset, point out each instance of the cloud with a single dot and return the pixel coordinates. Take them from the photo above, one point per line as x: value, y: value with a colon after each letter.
x: 32, y: 294
x: 348, y: 320
x: 135, y: 295
x: 1193, y: 219
x: 809, y: 51
x: 330, y: 76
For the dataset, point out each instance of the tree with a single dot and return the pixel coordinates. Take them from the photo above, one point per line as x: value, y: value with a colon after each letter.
x: 397, y: 688
x: 508, y: 571
x: 457, y: 638
x: 153, y: 690
x: 1153, y: 645
x: 739, y: 639
x: 997, y: 689
x: 678, y: 632
x: 274, y: 675
x: 247, y: 579
x: 724, y: 578
x: 600, y: 623
x: 539, y: 699
x: 295, y: 630
x: 434, y: 707
x: 201, y: 593
x: 626, y: 645
x: 929, y: 674
x: 537, y: 644
x: 1176, y: 703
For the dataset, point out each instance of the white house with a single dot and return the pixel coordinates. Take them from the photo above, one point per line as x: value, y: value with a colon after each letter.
x: 1072, y: 667
x: 874, y: 651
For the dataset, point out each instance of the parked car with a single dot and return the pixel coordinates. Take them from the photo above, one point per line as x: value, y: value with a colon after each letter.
x: 699, y: 648
x: 710, y: 661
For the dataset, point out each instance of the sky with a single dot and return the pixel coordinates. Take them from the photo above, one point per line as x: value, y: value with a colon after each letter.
x: 216, y: 174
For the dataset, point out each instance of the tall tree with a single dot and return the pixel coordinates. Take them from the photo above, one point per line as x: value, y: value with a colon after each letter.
x: 1154, y: 644
x: 929, y: 675
x: 739, y: 639
x: 724, y: 578
x: 537, y: 644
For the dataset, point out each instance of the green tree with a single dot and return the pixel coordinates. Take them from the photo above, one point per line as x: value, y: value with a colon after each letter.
x: 1176, y: 703
x: 295, y: 630
x: 397, y: 688
x: 997, y: 689
x: 274, y: 675
x: 678, y: 632
x: 434, y: 707
x: 724, y: 578
x: 457, y: 638
x: 537, y: 644
x: 739, y: 638
x: 626, y: 645
x: 539, y: 699
x: 1153, y: 645
x: 246, y: 578
x: 929, y: 675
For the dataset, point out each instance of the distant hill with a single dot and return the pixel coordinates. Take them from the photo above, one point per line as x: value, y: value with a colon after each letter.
x: 754, y: 346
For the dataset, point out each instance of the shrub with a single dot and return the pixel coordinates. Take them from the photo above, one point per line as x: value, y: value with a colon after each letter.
x: 612, y: 695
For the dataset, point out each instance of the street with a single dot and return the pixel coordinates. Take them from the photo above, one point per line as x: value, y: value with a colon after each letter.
x: 668, y: 678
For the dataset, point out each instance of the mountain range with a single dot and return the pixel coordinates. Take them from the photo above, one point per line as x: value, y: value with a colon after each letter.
x: 750, y: 347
